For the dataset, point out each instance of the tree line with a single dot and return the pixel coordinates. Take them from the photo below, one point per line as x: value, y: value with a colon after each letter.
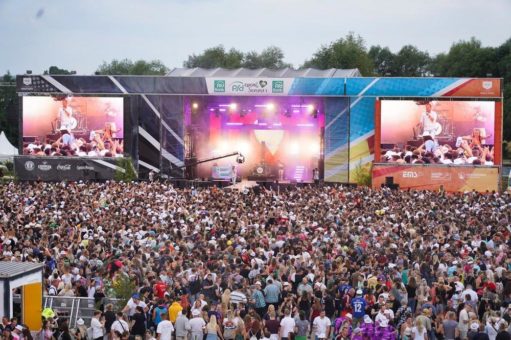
x: 465, y: 58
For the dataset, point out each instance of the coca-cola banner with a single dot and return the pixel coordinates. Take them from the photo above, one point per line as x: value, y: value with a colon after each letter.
x: 28, y: 168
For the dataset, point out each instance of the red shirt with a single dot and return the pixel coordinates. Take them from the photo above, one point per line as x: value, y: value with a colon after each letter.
x: 160, y: 288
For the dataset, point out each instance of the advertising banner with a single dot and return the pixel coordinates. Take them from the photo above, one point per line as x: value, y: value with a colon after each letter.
x: 434, y: 177
x: 249, y: 86
x: 64, y: 169
x: 222, y: 172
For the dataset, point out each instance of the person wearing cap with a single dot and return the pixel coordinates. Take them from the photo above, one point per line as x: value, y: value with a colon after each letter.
x: 358, y: 307
x: 258, y: 300
x: 197, y: 326
x: 132, y: 304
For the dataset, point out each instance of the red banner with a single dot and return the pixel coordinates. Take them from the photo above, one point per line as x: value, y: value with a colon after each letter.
x: 433, y: 177
x: 488, y: 87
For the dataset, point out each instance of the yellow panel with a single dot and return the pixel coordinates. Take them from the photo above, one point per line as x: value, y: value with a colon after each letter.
x: 32, y: 306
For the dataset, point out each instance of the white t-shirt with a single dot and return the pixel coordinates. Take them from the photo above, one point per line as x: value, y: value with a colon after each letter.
x: 132, y: 306
x: 287, y: 325
x: 463, y: 317
x: 97, y: 328
x: 196, y: 325
x: 120, y: 326
x: 321, y: 325
x: 165, y: 329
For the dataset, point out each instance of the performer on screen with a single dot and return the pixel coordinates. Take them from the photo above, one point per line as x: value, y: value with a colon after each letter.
x: 107, y: 133
x: 65, y: 116
x: 428, y: 121
x: 477, y: 138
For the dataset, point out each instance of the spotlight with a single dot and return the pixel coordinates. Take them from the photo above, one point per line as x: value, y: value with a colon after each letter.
x: 195, y: 106
x: 294, y: 148
x: 310, y: 108
x: 233, y: 106
x: 270, y: 107
x: 240, y: 159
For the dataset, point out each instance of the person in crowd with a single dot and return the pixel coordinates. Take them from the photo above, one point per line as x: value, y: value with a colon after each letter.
x: 256, y: 256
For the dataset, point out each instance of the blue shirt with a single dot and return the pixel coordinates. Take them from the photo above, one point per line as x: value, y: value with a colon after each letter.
x: 258, y: 299
x: 272, y: 293
x: 358, y: 305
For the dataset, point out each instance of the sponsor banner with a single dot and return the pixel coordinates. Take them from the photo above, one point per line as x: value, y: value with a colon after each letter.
x: 249, y: 86
x: 29, y: 168
x: 222, y: 172
x: 433, y: 177
x: 489, y: 87
x: 30, y: 83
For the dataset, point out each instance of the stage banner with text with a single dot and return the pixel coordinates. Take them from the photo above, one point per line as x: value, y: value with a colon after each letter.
x: 222, y: 172
x: 29, y: 168
x: 433, y: 177
x: 249, y: 86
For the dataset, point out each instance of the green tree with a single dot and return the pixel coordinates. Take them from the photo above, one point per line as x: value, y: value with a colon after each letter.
x: 216, y: 57
x: 9, y: 108
x: 383, y: 60
x: 271, y: 57
x: 56, y: 71
x: 348, y: 52
x: 466, y: 59
x: 128, y: 67
x: 411, y: 62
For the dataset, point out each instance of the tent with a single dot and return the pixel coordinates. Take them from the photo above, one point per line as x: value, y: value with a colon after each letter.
x: 6, y: 148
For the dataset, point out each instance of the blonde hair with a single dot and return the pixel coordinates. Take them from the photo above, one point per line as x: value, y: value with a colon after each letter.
x: 212, y: 324
x: 226, y: 300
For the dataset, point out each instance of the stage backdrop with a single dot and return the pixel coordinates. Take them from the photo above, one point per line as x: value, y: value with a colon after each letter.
x: 432, y: 177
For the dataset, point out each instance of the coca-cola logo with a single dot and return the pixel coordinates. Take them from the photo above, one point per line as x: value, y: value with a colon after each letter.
x: 64, y: 167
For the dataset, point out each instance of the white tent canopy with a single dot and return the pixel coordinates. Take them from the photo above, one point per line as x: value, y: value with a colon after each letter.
x: 6, y: 148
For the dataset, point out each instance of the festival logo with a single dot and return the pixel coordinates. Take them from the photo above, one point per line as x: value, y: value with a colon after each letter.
x: 29, y: 165
x: 219, y: 86
x: 27, y: 81
x: 277, y: 86
x: 263, y: 83
x: 487, y: 85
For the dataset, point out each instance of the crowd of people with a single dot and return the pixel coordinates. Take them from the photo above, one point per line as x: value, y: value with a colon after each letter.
x: 68, y: 145
x: 328, y: 262
x: 468, y: 150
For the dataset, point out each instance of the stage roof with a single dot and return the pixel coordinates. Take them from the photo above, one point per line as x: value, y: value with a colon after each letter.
x: 264, y: 73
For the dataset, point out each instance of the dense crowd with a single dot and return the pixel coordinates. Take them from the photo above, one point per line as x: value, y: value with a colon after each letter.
x: 322, y: 261
x: 465, y: 152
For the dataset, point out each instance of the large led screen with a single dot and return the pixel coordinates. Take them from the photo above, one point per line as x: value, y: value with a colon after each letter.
x: 437, y: 132
x: 73, y: 126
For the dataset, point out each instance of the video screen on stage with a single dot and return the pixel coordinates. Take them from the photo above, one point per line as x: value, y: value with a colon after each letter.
x: 279, y: 138
x: 73, y: 126
x: 437, y: 132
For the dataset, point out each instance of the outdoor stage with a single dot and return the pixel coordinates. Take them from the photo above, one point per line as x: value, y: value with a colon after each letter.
x: 285, y: 123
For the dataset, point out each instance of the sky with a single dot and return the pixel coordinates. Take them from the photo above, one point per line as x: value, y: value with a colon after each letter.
x: 80, y: 35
